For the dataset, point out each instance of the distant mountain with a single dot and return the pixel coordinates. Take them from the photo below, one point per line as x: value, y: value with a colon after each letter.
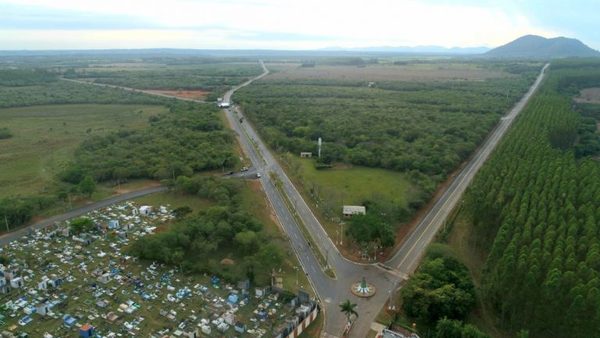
x: 414, y: 50
x: 533, y: 46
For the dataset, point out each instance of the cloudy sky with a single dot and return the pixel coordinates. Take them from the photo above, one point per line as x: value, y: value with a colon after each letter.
x: 287, y: 24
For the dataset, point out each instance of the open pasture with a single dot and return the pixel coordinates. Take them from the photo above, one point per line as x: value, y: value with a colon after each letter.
x: 45, y: 138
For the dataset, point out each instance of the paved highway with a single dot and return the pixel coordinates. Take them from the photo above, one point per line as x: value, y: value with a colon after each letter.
x: 407, y: 257
x: 333, y: 291
x: 403, y: 263
x: 11, y: 236
x: 330, y: 291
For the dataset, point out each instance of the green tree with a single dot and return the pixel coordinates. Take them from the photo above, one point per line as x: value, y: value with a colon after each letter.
x: 447, y: 328
x: 349, y: 309
x: 87, y: 186
x: 5, y: 133
x: 247, y: 240
x: 80, y: 225
x: 441, y: 288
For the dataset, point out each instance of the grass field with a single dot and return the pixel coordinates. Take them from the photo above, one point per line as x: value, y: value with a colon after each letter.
x: 347, y: 185
x: 45, y: 137
x: 354, y: 184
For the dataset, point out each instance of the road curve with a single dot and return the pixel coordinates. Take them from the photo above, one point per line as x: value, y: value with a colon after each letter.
x: 13, y: 235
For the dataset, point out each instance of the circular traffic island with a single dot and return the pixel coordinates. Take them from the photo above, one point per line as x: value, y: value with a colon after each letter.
x: 363, y: 289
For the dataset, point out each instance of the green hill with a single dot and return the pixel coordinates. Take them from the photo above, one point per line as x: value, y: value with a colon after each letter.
x: 538, y: 47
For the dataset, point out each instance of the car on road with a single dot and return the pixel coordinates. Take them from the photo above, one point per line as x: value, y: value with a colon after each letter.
x: 244, y: 169
x: 258, y: 175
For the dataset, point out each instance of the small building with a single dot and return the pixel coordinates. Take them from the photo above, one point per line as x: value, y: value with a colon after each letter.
x: 113, y: 224
x: 69, y: 321
x: 223, y: 327
x: 4, y: 289
x: 43, y: 284
x: 145, y: 210
x: 233, y: 298
x: 86, y: 331
x: 54, y: 281
x: 229, y: 318
x: 104, y: 278
x: 205, y: 329
x: 224, y: 104
x: 351, y: 210
x: 261, y: 292
x: 240, y: 327
x: 306, y: 154
x: 42, y: 308
x: 191, y: 333
x: 16, y: 282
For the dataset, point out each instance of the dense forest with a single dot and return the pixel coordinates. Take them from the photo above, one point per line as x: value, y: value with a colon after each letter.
x: 535, y: 205
x: 222, y: 240
x: 440, y: 295
x: 427, y: 128
x: 188, y: 139
x: 424, y: 129
x: 25, y: 77
x: 32, y: 93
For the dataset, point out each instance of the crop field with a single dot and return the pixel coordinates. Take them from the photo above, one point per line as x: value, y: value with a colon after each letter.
x: 45, y: 137
x: 389, y: 72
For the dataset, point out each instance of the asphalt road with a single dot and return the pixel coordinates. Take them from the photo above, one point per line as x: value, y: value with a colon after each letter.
x: 11, y: 236
x: 403, y: 263
x: 330, y: 291
x: 407, y: 257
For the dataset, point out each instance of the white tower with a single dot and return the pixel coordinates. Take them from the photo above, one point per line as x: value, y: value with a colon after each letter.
x: 319, y: 142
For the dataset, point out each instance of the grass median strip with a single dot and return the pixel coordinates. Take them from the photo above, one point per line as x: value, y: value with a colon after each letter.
x: 313, y: 246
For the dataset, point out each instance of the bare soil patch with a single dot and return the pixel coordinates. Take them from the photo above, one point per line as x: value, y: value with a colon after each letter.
x: 185, y: 94
x: 589, y: 95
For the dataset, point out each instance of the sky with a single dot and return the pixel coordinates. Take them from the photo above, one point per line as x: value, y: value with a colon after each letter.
x: 287, y: 24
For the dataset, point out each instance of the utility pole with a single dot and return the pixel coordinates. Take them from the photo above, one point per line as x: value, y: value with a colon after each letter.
x: 296, y: 268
